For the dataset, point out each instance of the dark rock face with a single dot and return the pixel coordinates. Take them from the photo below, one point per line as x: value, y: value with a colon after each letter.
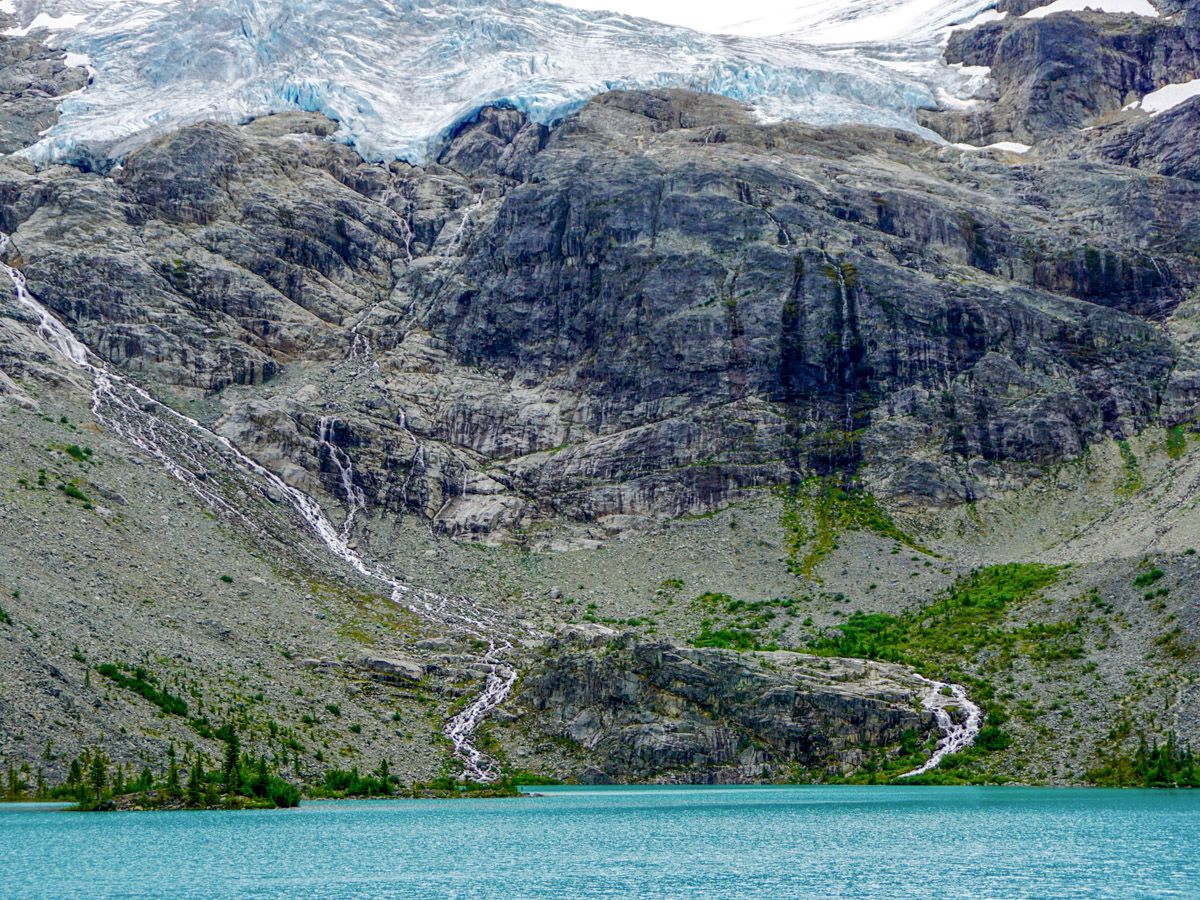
x: 656, y: 308
x: 654, y: 711
x: 32, y: 80
x: 1066, y: 70
x: 1165, y: 143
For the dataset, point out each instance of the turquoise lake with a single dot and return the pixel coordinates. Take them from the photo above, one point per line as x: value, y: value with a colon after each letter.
x: 877, y: 842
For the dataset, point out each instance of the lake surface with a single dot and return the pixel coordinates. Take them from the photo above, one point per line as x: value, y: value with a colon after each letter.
x: 851, y: 842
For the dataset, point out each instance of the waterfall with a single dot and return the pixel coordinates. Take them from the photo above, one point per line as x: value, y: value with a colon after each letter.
x: 956, y: 736
x: 185, y: 448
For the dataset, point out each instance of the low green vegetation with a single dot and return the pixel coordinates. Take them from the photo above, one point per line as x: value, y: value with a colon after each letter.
x: 71, y: 490
x: 1151, y: 765
x: 77, y: 453
x: 730, y: 624
x: 1149, y: 577
x: 349, y: 783
x: 140, y: 681
x: 963, y: 636
x: 952, y: 629
x: 1131, y: 477
x: 508, y: 785
x: 94, y: 783
x: 1176, y: 442
x: 818, y: 510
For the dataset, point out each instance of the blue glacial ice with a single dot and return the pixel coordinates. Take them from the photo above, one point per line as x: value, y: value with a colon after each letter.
x: 397, y: 75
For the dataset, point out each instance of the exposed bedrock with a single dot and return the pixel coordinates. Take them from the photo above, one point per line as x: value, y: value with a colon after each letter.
x: 1068, y: 70
x: 656, y: 308
x: 637, y: 711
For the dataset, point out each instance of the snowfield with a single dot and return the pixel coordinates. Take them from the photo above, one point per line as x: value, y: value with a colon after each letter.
x: 1168, y: 97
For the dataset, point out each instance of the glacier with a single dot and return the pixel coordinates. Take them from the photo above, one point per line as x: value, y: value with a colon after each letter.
x: 399, y: 75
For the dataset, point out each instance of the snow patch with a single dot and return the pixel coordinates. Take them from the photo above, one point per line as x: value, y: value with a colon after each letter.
x: 984, y: 18
x: 837, y: 22
x: 53, y: 24
x: 1002, y: 146
x: 1137, y: 7
x: 1168, y: 97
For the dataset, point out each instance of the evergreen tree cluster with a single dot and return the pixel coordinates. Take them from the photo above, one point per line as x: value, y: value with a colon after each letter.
x: 349, y: 783
x: 93, y: 782
x: 1169, y: 765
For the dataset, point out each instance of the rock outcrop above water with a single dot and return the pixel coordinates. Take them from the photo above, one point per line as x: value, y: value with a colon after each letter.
x: 633, y: 710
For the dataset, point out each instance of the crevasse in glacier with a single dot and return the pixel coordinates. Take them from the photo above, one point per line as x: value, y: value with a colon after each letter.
x: 398, y: 74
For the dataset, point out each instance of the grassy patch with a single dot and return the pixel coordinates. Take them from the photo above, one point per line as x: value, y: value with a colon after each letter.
x: 730, y: 624
x: 963, y: 637
x: 818, y: 510
x: 1145, y: 579
x: 77, y: 453
x: 1176, y: 442
x: 1131, y: 477
x: 954, y: 628
x: 71, y: 489
x: 141, y: 682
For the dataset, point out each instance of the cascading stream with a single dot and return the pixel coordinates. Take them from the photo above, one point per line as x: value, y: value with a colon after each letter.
x: 355, y: 498
x: 185, y: 448
x: 956, y: 736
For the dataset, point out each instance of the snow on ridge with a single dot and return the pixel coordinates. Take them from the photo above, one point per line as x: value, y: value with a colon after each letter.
x: 398, y: 75
x: 1167, y: 97
x: 52, y: 23
x: 1137, y: 7
x: 1002, y: 146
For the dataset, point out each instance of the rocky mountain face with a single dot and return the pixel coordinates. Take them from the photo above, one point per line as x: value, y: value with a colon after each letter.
x: 33, y: 79
x: 657, y: 314
x: 656, y: 309
x: 1067, y: 71
x: 636, y: 710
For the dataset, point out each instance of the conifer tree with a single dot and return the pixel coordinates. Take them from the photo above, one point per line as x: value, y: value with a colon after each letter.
x: 233, y: 757
x: 195, y: 785
x: 173, y: 788
x: 98, y: 775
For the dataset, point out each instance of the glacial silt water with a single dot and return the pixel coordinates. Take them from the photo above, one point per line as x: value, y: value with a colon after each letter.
x: 846, y: 842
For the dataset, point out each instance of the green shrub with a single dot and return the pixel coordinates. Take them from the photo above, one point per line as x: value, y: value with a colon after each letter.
x: 1176, y: 442
x: 72, y: 491
x: 283, y: 794
x: 1148, y: 578
x: 143, y: 683
x: 817, y: 510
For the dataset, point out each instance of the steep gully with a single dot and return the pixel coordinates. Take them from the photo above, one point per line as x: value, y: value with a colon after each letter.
x: 185, y: 449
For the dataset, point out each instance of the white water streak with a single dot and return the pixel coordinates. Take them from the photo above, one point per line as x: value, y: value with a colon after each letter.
x: 149, y: 425
x: 354, y: 496
x: 957, y: 736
